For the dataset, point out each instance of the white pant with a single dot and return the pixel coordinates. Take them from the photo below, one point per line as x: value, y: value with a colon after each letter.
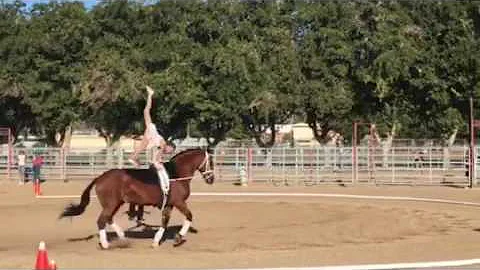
x: 164, y: 179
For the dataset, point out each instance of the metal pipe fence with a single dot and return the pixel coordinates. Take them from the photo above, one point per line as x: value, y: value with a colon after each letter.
x: 279, y: 166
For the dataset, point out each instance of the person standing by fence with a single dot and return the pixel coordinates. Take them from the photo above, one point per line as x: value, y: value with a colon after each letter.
x: 37, y: 163
x: 21, y: 167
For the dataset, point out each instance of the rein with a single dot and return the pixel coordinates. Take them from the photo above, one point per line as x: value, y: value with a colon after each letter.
x: 205, y: 163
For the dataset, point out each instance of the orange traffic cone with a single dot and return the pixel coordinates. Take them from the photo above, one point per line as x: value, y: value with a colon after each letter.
x: 42, y: 258
x: 53, y: 265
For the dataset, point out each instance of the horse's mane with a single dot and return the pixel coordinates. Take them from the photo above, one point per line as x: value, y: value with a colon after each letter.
x: 150, y: 176
x: 181, y: 153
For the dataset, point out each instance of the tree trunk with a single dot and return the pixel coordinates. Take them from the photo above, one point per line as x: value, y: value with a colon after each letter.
x: 67, y: 140
x: 217, y: 133
x: 446, y: 148
x: 263, y: 140
x: 320, y: 132
x: 52, y: 138
x: 258, y: 131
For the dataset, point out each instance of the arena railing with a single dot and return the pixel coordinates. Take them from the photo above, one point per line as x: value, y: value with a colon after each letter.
x: 279, y: 166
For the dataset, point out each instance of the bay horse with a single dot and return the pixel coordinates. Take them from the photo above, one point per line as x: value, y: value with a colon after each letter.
x: 141, y: 187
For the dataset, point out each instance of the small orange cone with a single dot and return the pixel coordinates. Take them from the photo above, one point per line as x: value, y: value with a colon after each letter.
x: 42, y: 258
x: 53, y: 265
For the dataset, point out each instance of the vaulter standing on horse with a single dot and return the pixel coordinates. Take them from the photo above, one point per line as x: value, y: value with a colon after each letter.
x: 151, y: 138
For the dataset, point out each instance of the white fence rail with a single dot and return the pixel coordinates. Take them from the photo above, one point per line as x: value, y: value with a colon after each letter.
x: 400, y: 165
x: 280, y: 166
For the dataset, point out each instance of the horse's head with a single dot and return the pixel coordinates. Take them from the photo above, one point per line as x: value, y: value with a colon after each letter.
x: 206, y: 168
x: 191, y: 160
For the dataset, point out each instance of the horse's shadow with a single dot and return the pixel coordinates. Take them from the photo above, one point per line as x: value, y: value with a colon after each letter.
x: 145, y: 231
x: 148, y: 231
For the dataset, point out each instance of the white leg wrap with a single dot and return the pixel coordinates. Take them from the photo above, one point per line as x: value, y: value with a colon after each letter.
x: 103, y: 238
x: 185, y: 227
x: 164, y: 180
x: 158, y: 236
x: 118, y: 230
x: 166, y: 184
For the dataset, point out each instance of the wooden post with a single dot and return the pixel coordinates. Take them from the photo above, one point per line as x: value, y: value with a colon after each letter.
x: 354, y: 152
x: 249, y: 164
x: 471, y: 165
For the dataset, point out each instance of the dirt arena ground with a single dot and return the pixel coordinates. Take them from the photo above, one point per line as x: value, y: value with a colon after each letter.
x: 240, y: 232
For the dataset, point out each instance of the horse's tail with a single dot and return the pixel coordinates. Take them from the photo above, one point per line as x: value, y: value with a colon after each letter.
x: 78, y: 209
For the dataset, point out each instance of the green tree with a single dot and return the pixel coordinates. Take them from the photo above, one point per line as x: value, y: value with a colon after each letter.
x: 113, y: 82
x: 325, y: 53
x: 57, y: 41
x: 273, y: 96
x: 15, y: 113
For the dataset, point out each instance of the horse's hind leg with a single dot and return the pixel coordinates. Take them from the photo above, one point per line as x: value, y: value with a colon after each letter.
x: 106, y: 216
x: 179, y: 237
x: 165, y: 219
x: 102, y: 232
x: 118, y: 230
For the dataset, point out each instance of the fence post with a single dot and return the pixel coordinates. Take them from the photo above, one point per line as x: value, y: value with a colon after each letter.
x: 311, y: 158
x: 430, y: 171
x: 355, y: 164
x: 317, y: 163
x: 392, y: 164
x: 298, y: 153
x: 10, y: 153
x: 120, y: 158
x: 92, y: 164
x: 249, y: 164
x: 283, y: 164
x: 214, y: 160
x: 237, y: 159
x: 63, y: 164
x: 218, y: 161
x: 472, y: 166
x: 354, y: 154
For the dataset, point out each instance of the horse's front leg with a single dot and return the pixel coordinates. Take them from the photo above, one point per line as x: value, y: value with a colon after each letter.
x: 165, y: 219
x: 179, y: 237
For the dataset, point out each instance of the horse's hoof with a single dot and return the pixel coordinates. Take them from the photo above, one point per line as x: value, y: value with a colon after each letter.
x: 154, y: 245
x: 179, y: 242
x: 102, y: 247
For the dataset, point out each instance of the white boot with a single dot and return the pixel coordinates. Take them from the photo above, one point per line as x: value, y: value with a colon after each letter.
x: 103, y: 239
x: 164, y: 179
x: 164, y: 183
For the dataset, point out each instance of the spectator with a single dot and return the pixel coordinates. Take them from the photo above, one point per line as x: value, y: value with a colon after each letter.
x: 419, y: 158
x: 37, y: 163
x: 21, y: 166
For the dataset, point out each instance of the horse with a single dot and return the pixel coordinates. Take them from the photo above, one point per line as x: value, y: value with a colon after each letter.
x: 141, y: 187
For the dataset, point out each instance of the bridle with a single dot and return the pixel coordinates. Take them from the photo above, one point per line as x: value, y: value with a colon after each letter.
x: 207, y: 169
x: 205, y: 165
